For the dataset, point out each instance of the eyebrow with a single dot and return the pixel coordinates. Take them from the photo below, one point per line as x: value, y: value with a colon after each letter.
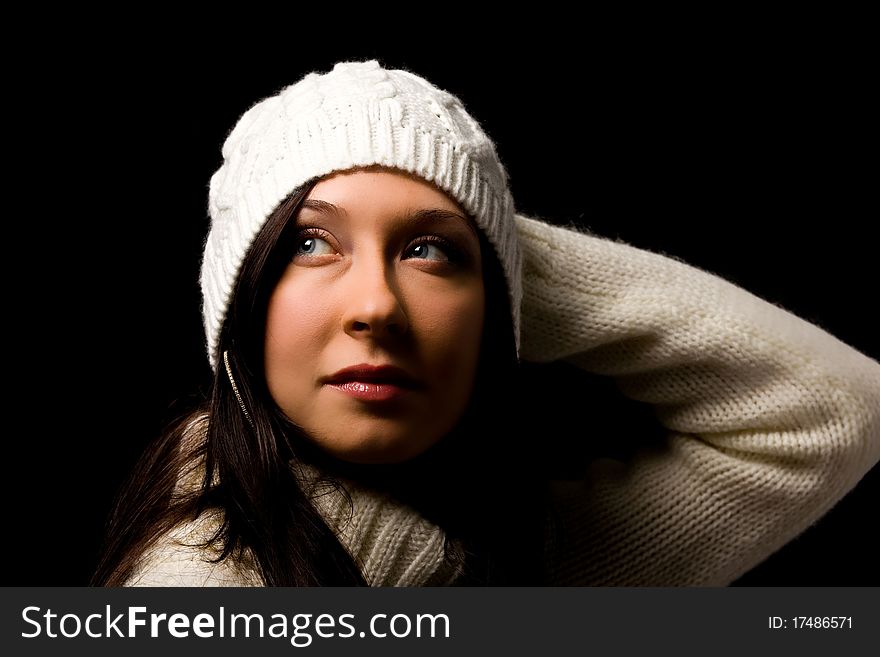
x: 418, y: 216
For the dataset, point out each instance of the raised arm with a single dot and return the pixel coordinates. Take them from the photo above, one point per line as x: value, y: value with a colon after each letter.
x: 769, y: 419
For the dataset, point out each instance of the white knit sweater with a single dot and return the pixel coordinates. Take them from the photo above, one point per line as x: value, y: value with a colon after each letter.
x: 769, y: 421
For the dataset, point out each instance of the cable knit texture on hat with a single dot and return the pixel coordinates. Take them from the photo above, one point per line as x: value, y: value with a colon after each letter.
x: 358, y: 114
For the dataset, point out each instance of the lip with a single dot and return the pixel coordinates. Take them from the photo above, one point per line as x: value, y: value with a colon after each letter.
x: 373, y: 382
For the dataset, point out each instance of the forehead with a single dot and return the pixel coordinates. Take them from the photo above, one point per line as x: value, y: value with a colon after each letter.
x: 380, y: 185
x: 380, y: 192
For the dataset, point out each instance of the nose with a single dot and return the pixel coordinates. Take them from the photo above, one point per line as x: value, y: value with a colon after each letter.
x: 373, y: 308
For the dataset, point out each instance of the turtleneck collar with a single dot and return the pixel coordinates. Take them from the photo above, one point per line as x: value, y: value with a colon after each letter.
x: 393, y: 544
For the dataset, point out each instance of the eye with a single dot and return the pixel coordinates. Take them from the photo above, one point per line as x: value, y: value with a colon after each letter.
x: 309, y: 243
x: 433, y: 247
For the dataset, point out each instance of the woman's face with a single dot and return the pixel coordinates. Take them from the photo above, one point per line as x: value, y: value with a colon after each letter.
x: 385, y: 270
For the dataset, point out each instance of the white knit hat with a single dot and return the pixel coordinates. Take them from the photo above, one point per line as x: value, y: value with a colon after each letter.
x: 357, y: 114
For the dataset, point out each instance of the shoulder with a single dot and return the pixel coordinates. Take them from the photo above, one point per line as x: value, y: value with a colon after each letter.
x: 179, y: 558
x: 183, y: 555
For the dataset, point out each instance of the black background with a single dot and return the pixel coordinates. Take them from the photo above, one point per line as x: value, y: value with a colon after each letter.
x: 741, y: 154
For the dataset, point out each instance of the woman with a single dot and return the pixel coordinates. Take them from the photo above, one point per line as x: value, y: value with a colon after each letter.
x: 370, y: 298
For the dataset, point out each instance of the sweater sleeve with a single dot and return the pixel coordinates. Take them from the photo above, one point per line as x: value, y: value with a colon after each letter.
x: 768, y: 419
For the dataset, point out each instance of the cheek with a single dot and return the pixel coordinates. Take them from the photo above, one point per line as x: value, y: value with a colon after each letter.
x: 295, y: 320
x: 452, y: 326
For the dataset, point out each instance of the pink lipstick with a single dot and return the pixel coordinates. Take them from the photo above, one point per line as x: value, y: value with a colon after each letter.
x: 373, y: 383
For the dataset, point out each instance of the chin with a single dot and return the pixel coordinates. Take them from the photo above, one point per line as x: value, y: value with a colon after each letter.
x: 379, y: 451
